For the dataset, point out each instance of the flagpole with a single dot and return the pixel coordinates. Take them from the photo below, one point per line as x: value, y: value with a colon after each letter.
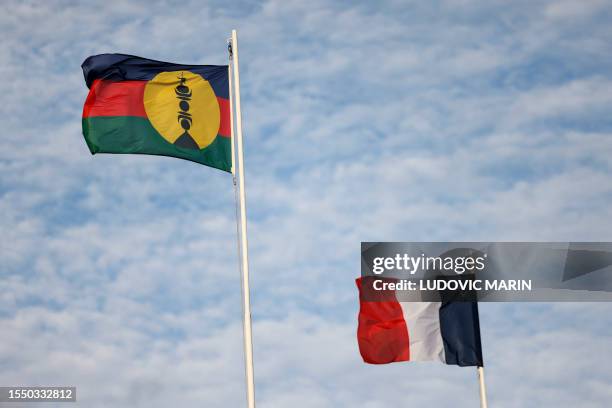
x: 246, y: 303
x: 231, y: 104
x: 483, y: 388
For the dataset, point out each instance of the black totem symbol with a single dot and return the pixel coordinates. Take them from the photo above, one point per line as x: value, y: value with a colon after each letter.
x: 183, y: 94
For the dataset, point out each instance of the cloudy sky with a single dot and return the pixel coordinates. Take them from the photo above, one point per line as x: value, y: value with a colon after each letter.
x: 434, y: 120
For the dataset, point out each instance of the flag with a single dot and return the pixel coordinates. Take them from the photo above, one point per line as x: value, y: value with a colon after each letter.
x: 391, y: 331
x: 138, y: 105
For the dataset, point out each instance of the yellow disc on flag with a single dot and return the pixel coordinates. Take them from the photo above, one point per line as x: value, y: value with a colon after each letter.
x: 183, y: 108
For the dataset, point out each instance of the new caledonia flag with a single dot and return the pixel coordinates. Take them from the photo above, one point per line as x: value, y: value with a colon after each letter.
x: 137, y: 105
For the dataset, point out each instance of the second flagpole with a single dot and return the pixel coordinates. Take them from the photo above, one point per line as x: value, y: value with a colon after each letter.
x: 243, y: 246
x: 483, y: 388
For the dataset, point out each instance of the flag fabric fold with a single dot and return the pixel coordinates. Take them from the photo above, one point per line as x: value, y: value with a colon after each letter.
x: 391, y: 331
x: 142, y: 106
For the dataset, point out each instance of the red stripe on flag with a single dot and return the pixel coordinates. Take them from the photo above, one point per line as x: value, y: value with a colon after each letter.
x: 115, y: 98
x: 225, y: 124
x: 125, y: 98
x: 382, y: 332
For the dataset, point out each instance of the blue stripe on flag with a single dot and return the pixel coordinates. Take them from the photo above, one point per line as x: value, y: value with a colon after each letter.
x: 460, y: 330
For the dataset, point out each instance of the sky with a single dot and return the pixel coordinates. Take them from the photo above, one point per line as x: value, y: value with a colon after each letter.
x: 466, y: 120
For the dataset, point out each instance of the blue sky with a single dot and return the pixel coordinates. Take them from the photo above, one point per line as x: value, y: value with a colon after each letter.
x: 441, y: 120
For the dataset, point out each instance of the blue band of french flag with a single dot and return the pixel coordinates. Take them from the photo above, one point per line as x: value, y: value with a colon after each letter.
x: 391, y: 331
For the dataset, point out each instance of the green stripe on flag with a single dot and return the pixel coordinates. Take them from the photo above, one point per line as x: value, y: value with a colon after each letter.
x: 131, y: 134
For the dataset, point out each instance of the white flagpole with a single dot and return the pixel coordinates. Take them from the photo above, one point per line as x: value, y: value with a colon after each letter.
x: 246, y: 303
x: 231, y: 103
x: 483, y: 388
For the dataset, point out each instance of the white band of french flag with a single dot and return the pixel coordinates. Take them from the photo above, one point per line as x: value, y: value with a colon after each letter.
x: 391, y: 331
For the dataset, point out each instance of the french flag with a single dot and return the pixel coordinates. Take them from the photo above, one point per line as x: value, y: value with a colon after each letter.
x: 391, y: 331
